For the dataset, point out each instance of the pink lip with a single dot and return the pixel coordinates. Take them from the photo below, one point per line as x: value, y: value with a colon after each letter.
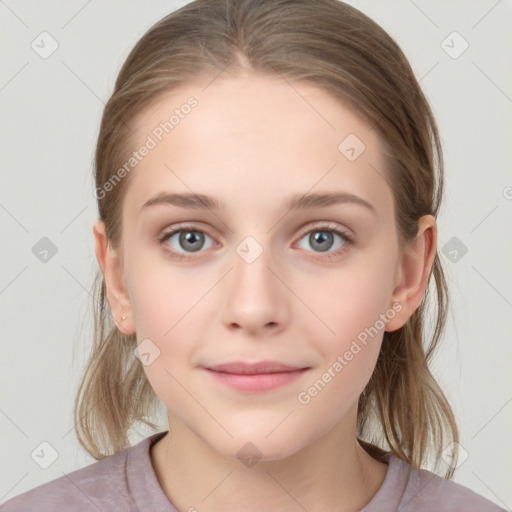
x: 262, y: 376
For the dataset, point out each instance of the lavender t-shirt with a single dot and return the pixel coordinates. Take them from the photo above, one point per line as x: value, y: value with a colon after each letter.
x: 127, y: 482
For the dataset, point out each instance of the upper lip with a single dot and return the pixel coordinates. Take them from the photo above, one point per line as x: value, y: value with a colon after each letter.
x: 241, y: 367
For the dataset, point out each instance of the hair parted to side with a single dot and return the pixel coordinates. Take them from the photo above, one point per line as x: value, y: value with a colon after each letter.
x: 339, y: 49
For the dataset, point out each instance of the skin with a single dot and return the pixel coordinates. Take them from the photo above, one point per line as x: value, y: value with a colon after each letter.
x: 251, y: 142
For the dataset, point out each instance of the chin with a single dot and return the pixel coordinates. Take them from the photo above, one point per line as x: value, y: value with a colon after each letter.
x: 255, y: 444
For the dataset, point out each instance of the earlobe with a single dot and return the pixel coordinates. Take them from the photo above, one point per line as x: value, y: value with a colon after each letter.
x: 111, y: 268
x: 413, y: 271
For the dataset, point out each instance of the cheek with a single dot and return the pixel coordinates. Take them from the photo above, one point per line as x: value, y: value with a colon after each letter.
x: 160, y: 295
x: 349, y: 348
x: 168, y: 310
x: 349, y: 300
x: 351, y: 306
x: 164, y: 317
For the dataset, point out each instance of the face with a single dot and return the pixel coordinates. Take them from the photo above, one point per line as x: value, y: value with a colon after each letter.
x: 261, y: 274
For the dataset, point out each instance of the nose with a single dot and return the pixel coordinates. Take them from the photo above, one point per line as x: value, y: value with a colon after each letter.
x: 257, y: 299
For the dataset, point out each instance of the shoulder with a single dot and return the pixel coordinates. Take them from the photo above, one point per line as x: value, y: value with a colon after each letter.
x: 99, y: 486
x: 424, y: 490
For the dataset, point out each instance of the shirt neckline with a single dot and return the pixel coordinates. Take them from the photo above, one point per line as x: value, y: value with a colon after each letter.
x: 390, y: 493
x: 143, y: 483
x: 148, y: 494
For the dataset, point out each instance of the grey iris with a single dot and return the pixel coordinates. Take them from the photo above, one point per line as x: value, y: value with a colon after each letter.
x: 194, y: 238
x: 317, y: 240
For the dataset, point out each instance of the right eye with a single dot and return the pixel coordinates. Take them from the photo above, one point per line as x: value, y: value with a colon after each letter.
x: 184, y: 238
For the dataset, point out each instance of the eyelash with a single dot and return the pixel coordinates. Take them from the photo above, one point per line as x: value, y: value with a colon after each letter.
x: 348, y: 240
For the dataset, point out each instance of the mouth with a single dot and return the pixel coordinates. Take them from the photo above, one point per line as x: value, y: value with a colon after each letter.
x: 255, y: 377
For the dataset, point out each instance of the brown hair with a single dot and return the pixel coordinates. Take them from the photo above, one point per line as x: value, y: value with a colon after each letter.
x: 341, y: 50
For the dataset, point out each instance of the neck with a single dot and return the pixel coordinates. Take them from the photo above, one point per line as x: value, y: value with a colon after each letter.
x: 334, y: 473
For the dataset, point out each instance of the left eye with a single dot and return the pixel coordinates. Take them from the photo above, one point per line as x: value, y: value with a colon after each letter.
x: 322, y: 240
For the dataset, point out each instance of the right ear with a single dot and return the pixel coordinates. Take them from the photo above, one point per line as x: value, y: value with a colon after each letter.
x: 111, y: 268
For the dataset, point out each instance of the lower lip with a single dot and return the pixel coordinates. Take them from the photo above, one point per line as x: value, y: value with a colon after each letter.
x: 256, y: 382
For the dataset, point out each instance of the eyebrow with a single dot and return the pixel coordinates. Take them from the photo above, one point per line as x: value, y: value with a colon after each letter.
x: 295, y: 202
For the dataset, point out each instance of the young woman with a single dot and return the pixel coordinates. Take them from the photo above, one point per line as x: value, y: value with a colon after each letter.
x: 268, y: 176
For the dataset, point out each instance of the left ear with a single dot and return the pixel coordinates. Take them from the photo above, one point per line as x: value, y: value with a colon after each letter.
x: 413, y: 271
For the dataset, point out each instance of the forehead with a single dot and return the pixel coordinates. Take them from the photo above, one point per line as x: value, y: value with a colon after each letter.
x: 252, y: 136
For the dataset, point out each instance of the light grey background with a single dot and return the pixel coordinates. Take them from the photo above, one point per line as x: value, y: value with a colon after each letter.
x: 51, y: 111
